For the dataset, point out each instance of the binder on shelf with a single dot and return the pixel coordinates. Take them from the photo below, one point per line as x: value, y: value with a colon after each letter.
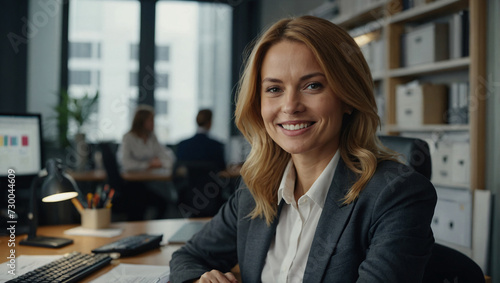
x: 459, y: 35
x: 458, y: 104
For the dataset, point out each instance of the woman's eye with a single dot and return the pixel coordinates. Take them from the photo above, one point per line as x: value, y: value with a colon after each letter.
x: 272, y: 89
x: 314, y: 86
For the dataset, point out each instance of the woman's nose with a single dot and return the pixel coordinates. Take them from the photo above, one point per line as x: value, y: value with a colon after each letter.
x: 293, y: 103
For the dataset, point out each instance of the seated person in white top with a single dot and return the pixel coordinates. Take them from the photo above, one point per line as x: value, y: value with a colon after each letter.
x: 140, y: 149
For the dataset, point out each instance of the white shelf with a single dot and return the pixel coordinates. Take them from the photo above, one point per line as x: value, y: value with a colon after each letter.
x: 379, y: 75
x: 433, y: 9
x: 452, y: 185
x: 368, y: 14
x: 428, y: 128
x: 431, y: 68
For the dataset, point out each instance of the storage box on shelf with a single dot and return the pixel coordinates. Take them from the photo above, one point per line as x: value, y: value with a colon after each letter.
x: 425, y: 44
x: 418, y: 104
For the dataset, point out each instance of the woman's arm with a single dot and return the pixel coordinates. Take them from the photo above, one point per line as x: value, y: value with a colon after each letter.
x: 214, y: 247
x: 400, y: 235
x: 165, y: 155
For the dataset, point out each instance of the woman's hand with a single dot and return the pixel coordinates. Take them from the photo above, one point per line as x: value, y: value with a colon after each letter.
x: 155, y: 163
x: 217, y: 276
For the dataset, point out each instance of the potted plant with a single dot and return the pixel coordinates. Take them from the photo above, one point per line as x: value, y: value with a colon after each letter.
x: 77, y: 110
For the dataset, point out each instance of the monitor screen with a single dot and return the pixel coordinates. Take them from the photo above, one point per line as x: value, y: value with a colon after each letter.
x: 20, y: 144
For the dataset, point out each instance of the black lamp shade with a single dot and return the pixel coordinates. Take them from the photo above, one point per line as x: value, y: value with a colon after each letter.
x: 57, y: 186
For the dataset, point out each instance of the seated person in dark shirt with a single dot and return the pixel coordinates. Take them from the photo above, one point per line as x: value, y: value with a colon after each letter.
x: 199, y: 158
x: 201, y: 147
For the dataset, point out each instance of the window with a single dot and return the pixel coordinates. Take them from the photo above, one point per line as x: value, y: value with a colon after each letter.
x: 104, y: 32
x: 161, y: 80
x: 134, y: 51
x: 133, y: 79
x: 80, y: 50
x: 163, y: 53
x: 80, y: 78
x: 192, y: 68
x: 161, y: 107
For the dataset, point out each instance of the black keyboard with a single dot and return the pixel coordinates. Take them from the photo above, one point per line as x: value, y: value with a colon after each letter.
x: 131, y: 245
x: 70, y: 268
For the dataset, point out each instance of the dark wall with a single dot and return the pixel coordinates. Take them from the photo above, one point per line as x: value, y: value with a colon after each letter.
x: 13, y: 55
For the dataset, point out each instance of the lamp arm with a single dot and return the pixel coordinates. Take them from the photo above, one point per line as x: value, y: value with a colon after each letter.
x: 33, y: 214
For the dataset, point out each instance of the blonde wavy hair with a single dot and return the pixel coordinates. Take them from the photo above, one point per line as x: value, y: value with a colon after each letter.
x: 349, y: 77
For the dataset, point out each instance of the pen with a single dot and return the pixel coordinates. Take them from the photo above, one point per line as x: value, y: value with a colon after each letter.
x: 108, y: 203
x: 89, y: 200
x: 105, y: 194
x: 96, y: 201
x: 78, y: 205
x: 97, y: 197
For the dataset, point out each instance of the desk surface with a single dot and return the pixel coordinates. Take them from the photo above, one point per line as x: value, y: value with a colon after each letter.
x: 100, y: 176
x: 85, y: 244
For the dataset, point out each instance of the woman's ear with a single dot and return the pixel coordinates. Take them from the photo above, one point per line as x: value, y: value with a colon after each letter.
x: 348, y: 109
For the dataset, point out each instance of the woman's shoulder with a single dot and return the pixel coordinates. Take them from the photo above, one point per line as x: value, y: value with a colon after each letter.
x: 395, y: 174
x: 129, y: 136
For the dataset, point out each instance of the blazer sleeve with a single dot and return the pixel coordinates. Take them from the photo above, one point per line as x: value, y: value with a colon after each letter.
x: 400, y: 237
x: 214, y: 247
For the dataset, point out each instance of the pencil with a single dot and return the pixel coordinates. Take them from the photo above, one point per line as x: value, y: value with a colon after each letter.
x: 78, y: 205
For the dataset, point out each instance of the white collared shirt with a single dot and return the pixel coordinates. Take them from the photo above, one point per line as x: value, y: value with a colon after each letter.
x: 287, y: 256
x: 135, y: 155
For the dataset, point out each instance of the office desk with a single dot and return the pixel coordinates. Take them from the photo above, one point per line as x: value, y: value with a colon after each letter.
x: 85, y: 244
x: 141, y: 176
x: 100, y: 176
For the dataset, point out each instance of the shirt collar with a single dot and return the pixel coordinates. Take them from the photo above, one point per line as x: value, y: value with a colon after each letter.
x: 318, y: 190
x: 201, y: 130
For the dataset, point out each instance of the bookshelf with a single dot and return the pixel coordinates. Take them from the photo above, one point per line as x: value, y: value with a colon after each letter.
x: 391, y: 21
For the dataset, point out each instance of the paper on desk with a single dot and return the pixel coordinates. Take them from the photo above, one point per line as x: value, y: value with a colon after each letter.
x: 106, y: 233
x: 25, y: 263
x: 136, y: 273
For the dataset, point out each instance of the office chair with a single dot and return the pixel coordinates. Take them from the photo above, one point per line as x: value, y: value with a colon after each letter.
x: 129, y: 201
x: 200, y: 193
x: 449, y: 265
x: 415, y: 152
x: 445, y: 264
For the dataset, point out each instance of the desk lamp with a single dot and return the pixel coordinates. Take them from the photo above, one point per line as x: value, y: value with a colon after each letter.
x: 57, y: 186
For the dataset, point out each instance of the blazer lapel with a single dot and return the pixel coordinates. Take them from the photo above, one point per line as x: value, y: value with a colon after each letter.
x: 331, y: 224
x: 258, y: 245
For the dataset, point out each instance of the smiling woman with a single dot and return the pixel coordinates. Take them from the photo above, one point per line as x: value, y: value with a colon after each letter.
x: 322, y: 200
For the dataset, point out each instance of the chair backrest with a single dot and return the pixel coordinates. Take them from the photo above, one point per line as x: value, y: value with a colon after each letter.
x: 198, y: 187
x: 415, y: 152
x: 110, y: 163
x: 445, y: 264
x: 449, y: 265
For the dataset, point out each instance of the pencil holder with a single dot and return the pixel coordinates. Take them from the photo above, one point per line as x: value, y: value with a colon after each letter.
x: 96, y: 218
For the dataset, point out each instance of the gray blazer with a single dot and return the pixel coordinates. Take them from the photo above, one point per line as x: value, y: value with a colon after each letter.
x: 383, y: 236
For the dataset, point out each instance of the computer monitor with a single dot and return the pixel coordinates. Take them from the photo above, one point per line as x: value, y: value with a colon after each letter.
x: 20, y: 144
